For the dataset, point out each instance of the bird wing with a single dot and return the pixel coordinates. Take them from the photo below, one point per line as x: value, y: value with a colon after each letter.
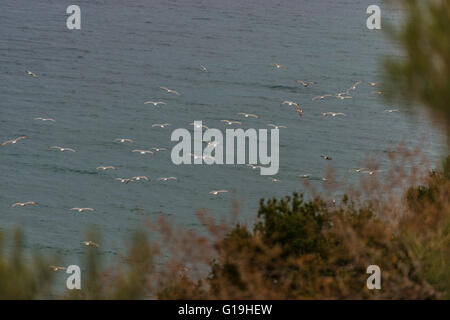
x: 6, y: 142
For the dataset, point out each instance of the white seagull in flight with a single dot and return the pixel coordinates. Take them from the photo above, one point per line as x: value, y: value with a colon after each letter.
x: 123, y: 180
x: 23, y: 204
x: 230, y: 122
x: 198, y: 126
x: 155, y: 103
x: 45, y: 119
x: 305, y: 84
x: 359, y: 170
x: 63, y: 149
x: 247, y: 115
x: 167, y: 178
x: 276, y: 126
x: 57, y: 268
x: 159, y: 149
x: 322, y: 97
x: 278, y: 66
x: 106, y: 168
x: 170, y: 90
x: 161, y: 125
x: 82, y: 209
x: 291, y: 103
x: 90, y: 243
x: 122, y: 140
x: 334, y: 114
x: 32, y: 74
x: 216, y: 192
x: 13, y: 141
x: 142, y: 151
x: 139, y: 178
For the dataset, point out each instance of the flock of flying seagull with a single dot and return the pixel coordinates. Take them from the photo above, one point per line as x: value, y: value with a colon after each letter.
x: 345, y: 94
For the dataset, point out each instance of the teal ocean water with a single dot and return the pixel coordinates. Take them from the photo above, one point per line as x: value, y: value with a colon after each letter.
x: 94, y: 83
